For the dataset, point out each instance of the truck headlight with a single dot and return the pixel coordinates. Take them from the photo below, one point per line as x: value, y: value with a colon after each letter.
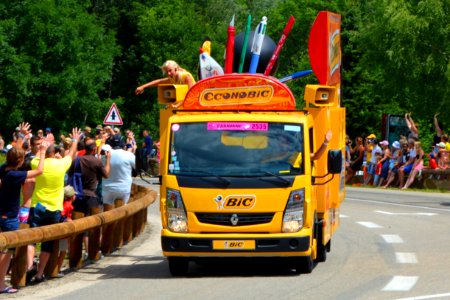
x: 176, y: 214
x: 293, y: 214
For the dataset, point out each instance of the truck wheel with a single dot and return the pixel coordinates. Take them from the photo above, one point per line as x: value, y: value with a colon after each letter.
x: 303, y: 265
x: 178, y: 266
x: 321, y: 251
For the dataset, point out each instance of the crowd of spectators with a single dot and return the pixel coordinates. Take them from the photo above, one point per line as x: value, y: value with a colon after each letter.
x: 37, y: 187
x: 397, y: 164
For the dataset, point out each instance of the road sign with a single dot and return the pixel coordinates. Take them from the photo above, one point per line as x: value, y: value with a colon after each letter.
x: 113, y: 116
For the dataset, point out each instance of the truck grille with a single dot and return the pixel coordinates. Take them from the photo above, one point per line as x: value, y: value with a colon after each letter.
x: 243, y: 219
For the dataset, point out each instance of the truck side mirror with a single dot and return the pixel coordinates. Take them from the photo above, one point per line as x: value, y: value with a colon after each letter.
x: 334, y: 161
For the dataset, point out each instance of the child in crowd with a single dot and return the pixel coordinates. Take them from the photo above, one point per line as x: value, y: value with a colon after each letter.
x: 66, y: 216
x: 432, y: 163
x: 378, y: 168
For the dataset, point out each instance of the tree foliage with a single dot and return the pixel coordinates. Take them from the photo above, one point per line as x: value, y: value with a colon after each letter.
x: 55, y: 59
x: 403, y: 54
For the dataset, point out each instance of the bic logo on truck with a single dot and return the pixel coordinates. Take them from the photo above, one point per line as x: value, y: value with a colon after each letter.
x: 235, y: 201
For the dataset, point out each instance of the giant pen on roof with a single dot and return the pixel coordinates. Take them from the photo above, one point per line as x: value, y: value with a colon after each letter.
x: 280, y: 44
x: 258, y: 39
x: 230, y: 48
x: 244, y: 45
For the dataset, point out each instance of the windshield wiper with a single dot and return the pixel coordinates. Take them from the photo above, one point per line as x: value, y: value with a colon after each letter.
x: 223, y: 180
x: 277, y: 176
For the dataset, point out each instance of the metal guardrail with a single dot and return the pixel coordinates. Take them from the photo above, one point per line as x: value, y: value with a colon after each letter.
x: 119, y: 224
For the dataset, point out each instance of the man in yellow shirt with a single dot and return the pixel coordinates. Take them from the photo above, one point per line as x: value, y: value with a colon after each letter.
x: 369, y: 147
x: 48, y: 196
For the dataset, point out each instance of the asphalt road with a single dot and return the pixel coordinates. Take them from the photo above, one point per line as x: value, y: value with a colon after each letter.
x: 391, y: 245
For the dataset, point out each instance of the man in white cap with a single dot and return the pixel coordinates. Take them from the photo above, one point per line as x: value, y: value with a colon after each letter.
x: 118, y: 184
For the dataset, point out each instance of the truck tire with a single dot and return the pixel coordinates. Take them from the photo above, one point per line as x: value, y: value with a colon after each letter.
x: 321, y: 253
x: 178, y: 266
x: 321, y: 248
x: 303, y: 264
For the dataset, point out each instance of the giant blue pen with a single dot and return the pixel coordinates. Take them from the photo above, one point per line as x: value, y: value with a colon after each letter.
x: 258, y: 39
x: 296, y: 75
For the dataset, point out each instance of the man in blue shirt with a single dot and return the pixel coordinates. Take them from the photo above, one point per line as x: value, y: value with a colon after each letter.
x: 148, y: 145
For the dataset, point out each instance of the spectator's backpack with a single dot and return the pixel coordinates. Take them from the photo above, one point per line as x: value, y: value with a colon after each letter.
x: 75, y: 179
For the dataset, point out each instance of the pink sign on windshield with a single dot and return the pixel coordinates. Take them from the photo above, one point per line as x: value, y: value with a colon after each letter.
x: 238, y: 126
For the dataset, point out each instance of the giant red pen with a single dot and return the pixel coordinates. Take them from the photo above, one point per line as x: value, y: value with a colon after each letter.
x: 230, y: 48
x: 280, y: 44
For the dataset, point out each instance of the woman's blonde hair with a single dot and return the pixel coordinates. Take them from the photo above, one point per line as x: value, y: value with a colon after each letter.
x: 418, y: 144
x: 173, y: 64
x: 167, y: 64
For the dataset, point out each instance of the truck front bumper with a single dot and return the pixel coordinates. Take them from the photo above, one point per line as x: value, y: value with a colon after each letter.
x: 285, y: 246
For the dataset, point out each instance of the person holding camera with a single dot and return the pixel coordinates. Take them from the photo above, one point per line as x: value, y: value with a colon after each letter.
x: 92, y: 171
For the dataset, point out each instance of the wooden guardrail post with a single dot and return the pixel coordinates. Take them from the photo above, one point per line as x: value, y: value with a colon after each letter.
x: 140, y: 217
x: 76, y: 245
x: 143, y: 213
x: 20, y: 263
x: 107, y: 234
x: 140, y: 221
x: 118, y: 227
x: 94, y: 238
x: 144, y: 218
x: 135, y: 225
x: 128, y: 225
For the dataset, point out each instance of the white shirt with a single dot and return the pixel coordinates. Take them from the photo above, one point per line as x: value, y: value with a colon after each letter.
x: 375, y: 150
x: 120, y: 179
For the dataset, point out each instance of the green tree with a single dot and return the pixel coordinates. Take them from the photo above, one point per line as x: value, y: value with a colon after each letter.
x: 55, y: 58
x: 404, y: 58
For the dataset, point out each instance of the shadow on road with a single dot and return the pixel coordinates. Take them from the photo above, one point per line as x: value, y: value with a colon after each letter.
x: 153, y: 267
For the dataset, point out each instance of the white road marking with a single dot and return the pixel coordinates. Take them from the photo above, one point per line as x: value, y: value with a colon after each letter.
x: 427, y: 297
x: 401, y: 283
x: 405, y: 258
x: 344, y: 216
x: 392, y: 238
x: 369, y: 224
x: 398, y: 204
x: 405, y: 214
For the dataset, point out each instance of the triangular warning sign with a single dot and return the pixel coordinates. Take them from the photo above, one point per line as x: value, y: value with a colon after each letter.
x: 113, y: 116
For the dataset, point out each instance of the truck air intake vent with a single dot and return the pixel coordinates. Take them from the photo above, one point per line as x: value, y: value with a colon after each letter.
x: 234, y: 219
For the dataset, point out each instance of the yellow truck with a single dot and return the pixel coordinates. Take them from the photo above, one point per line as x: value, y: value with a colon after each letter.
x: 237, y: 175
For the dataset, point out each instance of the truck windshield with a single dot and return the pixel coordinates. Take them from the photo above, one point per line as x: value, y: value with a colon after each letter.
x: 236, y: 149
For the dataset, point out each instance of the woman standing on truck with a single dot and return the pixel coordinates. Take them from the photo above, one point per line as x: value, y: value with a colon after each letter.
x: 176, y: 75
